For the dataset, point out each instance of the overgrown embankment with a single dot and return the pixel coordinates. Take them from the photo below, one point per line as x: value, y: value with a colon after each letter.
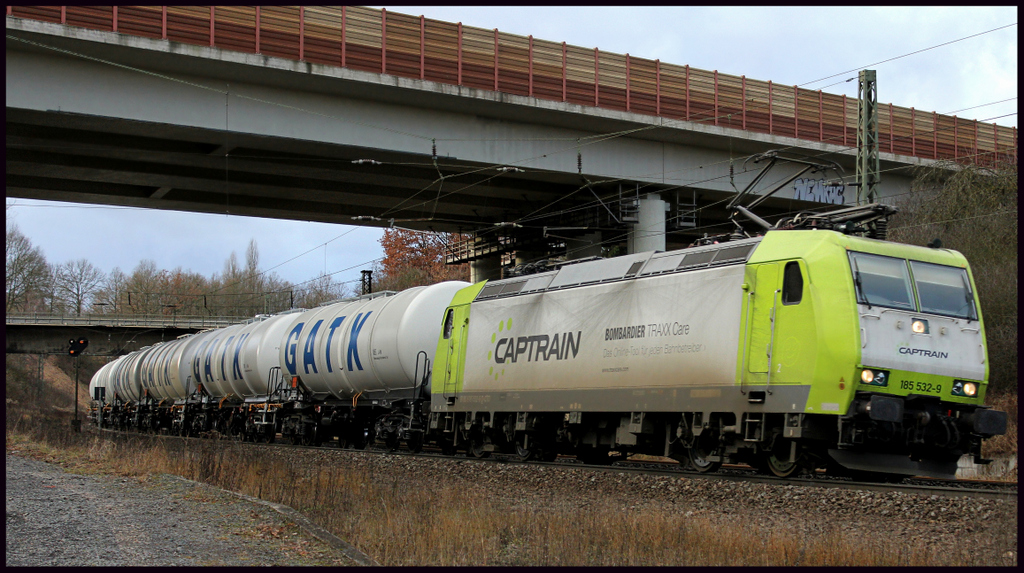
x: 401, y: 510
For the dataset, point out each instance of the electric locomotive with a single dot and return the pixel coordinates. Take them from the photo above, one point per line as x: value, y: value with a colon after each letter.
x: 798, y: 349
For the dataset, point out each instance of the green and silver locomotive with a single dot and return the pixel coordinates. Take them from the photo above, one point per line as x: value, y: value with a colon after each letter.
x: 795, y: 350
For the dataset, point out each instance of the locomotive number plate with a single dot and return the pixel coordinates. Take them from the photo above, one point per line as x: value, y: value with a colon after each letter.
x: 914, y: 386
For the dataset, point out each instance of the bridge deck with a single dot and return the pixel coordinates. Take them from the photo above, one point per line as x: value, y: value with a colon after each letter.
x: 372, y: 40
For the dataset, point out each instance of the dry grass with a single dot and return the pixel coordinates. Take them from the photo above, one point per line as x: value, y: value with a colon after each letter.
x: 441, y: 524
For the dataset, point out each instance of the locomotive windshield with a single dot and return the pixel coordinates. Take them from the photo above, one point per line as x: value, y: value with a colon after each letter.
x: 886, y: 281
x: 882, y: 281
x: 944, y: 290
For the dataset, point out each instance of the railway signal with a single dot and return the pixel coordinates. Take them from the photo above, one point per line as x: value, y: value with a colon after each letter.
x: 77, y: 345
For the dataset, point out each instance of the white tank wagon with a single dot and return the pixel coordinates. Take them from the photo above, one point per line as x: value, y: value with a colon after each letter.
x: 101, y: 379
x: 233, y: 359
x: 171, y: 369
x: 261, y: 354
x: 215, y: 367
x: 377, y: 347
x: 127, y: 378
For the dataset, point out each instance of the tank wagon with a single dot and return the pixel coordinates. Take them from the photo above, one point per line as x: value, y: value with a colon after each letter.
x: 794, y: 350
x: 351, y: 369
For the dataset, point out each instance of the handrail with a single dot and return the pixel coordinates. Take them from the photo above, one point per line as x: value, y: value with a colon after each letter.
x: 540, y: 69
x: 122, y: 320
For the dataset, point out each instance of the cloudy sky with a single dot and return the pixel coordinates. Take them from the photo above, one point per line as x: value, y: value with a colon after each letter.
x: 789, y: 45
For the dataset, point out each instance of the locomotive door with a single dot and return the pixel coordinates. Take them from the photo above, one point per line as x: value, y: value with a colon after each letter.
x: 762, y: 319
x: 455, y: 331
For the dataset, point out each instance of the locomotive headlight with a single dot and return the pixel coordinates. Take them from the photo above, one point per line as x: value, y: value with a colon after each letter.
x: 874, y: 377
x: 965, y: 388
x: 919, y: 326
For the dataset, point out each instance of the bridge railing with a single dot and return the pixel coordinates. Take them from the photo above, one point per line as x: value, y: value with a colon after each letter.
x: 190, y: 322
x: 416, y: 47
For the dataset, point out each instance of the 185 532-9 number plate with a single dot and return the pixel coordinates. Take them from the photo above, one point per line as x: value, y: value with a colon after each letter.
x: 926, y: 387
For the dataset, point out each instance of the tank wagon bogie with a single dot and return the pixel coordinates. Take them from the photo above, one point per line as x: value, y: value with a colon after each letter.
x: 793, y: 351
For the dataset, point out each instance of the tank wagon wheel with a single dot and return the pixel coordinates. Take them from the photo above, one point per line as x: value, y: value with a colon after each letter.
x: 311, y: 439
x: 524, y: 452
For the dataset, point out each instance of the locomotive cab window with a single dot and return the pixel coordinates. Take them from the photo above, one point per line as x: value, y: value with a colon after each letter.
x: 882, y: 281
x: 944, y: 290
x: 449, y: 323
x: 792, y: 284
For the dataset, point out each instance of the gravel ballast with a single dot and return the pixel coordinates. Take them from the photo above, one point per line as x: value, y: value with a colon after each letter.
x: 56, y: 518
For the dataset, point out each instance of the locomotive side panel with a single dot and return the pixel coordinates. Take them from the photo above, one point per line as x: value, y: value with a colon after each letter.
x: 665, y: 334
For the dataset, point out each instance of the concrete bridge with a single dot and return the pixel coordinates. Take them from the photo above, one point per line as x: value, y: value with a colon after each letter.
x: 362, y: 116
x: 108, y: 335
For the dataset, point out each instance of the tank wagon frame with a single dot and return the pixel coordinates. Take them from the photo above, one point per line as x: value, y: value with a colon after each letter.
x: 791, y: 351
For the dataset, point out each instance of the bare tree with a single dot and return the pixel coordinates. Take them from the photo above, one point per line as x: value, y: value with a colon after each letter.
x: 27, y: 271
x: 319, y: 290
x: 112, y: 294
x: 77, y: 282
x: 143, y: 289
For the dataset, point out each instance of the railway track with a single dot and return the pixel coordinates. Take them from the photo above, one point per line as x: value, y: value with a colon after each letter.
x: 736, y: 473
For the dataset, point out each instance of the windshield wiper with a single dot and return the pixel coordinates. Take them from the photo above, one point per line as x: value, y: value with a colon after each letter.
x: 859, y: 285
x: 967, y: 295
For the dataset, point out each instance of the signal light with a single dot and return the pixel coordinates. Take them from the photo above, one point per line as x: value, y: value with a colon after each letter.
x: 77, y: 345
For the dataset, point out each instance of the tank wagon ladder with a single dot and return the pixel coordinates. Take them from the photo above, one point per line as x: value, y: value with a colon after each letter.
x: 423, y: 380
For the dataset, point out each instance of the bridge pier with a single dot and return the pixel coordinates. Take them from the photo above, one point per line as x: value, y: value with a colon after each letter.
x: 648, y: 233
x: 487, y: 268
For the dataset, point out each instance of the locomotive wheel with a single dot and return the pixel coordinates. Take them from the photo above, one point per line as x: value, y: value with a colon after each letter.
x: 475, y: 448
x: 699, y: 461
x: 772, y: 465
x: 772, y: 462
